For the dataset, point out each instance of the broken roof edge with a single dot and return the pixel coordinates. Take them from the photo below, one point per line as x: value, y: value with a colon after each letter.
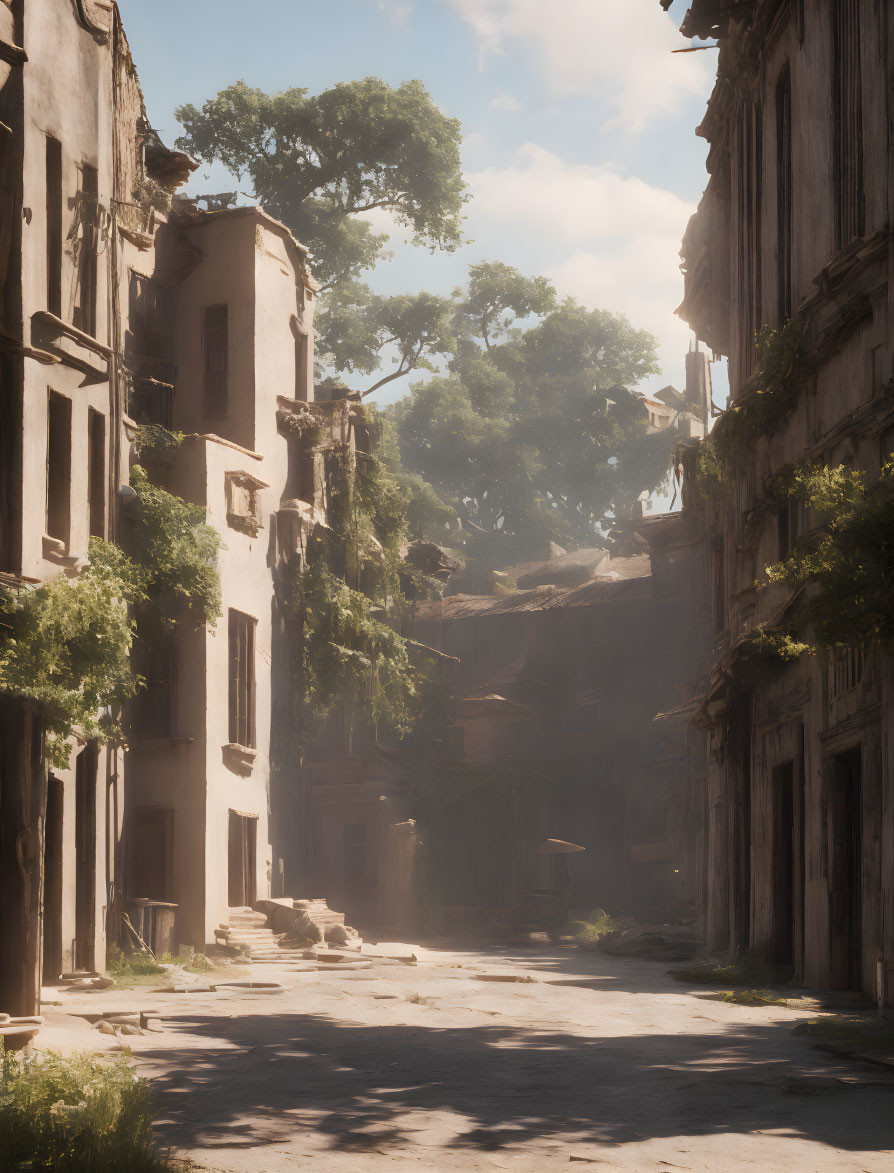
x: 257, y: 212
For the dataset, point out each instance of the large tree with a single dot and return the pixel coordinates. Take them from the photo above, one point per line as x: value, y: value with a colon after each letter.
x: 533, y: 434
x: 318, y: 163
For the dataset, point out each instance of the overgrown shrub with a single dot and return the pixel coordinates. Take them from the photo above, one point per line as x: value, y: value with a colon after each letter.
x: 76, y: 1114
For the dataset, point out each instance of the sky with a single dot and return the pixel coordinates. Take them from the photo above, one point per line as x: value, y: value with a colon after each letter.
x: 579, y: 145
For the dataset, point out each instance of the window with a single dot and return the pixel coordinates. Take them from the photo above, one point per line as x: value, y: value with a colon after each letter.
x: 243, y: 504
x: 85, y: 251
x: 848, y: 99
x: 96, y: 472
x: 302, y: 354
x: 242, y: 679
x: 216, y: 354
x: 54, y: 226
x: 153, y: 854
x: 784, y: 193
x: 155, y: 659
x: 749, y: 201
x: 59, y: 467
x: 847, y: 670
x: 151, y: 316
x: 300, y: 477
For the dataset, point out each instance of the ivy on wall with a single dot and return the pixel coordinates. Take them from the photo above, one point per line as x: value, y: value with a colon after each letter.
x: 350, y: 602
x: 770, y: 397
x: 848, y: 568
x: 67, y: 643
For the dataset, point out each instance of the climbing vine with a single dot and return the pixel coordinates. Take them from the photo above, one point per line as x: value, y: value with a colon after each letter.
x: 155, y: 440
x: 848, y: 569
x: 772, y: 395
x: 67, y: 643
x: 351, y: 602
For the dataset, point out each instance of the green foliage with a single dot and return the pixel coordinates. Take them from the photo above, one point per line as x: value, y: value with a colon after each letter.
x: 773, y: 644
x: 848, y: 570
x: 535, y: 439
x: 155, y: 440
x: 76, y: 1114
x: 767, y: 401
x: 66, y: 645
x: 753, y: 998
x: 599, y: 924
x: 174, y: 552
x: 300, y: 423
x: 747, y: 970
x: 357, y: 326
x: 498, y: 295
x: 350, y: 652
x: 315, y: 162
x: 349, y: 656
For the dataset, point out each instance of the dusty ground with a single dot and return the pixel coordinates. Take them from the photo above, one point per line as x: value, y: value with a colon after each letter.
x: 600, y: 1061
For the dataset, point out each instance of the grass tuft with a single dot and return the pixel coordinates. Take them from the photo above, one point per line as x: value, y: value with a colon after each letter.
x: 600, y: 923
x: 76, y: 1114
x: 746, y: 970
x: 753, y: 998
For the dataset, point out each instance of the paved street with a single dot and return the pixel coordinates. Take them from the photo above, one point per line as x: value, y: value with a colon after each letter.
x: 597, y: 1061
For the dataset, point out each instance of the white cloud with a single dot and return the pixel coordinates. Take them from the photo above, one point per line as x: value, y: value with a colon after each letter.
x: 616, y: 239
x: 618, y: 52
x: 505, y: 102
x: 397, y: 11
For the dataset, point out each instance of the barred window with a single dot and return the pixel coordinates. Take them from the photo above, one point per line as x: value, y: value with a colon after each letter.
x: 242, y: 679
x: 848, y: 99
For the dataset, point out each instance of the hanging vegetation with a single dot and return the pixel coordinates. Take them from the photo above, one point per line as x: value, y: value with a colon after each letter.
x: 351, y: 647
x: 771, y: 395
x: 67, y: 643
x: 153, y: 439
x: 849, y: 568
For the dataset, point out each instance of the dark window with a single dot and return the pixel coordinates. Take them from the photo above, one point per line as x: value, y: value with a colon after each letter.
x: 54, y: 227
x: 151, y: 316
x: 784, y: 193
x: 300, y: 476
x: 155, y: 660
x: 749, y: 193
x: 848, y: 99
x: 153, y: 854
x: 784, y: 534
x: 86, y: 249
x: 59, y: 467
x: 96, y: 472
x: 216, y: 347
x: 302, y: 346
x: 242, y: 678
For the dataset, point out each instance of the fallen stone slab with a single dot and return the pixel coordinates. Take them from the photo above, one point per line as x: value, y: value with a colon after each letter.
x: 502, y: 977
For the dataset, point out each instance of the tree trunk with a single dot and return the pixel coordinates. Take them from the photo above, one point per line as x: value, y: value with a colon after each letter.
x: 23, y: 796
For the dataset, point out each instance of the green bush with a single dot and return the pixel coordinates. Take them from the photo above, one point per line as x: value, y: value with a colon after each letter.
x: 588, y: 932
x: 76, y: 1114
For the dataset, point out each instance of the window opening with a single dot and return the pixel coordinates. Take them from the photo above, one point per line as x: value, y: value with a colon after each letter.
x: 86, y: 248
x: 242, y: 678
x: 96, y: 472
x: 216, y: 361
x: 54, y: 226
x: 784, y: 192
x: 59, y: 467
x: 847, y: 81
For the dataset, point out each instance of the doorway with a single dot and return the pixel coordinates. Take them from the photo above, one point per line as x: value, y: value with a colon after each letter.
x: 85, y: 858
x: 52, y: 882
x: 846, y: 870
x: 242, y: 876
x: 783, y: 890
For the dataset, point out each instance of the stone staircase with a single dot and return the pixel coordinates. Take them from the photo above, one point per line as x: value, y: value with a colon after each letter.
x: 248, y: 931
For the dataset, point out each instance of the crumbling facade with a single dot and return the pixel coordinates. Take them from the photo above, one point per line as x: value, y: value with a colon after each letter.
x: 129, y: 319
x: 795, y: 225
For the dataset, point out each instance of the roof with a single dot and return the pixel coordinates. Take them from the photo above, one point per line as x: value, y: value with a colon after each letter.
x: 631, y: 582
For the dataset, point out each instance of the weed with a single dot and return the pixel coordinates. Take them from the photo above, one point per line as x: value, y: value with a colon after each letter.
x: 588, y: 932
x: 134, y: 969
x: 76, y: 1115
x: 753, y: 998
x: 746, y: 970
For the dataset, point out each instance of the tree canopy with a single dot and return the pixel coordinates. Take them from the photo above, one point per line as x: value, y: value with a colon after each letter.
x: 317, y: 162
x: 532, y: 435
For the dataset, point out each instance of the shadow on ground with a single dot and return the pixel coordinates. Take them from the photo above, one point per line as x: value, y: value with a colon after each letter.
x: 362, y: 1086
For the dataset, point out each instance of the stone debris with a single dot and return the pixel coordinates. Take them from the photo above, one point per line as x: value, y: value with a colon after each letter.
x: 664, y: 942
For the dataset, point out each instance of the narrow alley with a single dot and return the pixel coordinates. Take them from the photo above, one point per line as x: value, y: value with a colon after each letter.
x: 578, y: 1057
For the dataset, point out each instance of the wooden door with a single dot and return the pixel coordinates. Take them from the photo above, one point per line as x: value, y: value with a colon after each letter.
x: 242, y: 860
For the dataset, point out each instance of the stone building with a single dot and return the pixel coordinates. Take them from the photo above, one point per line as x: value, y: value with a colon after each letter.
x: 553, y: 731
x: 795, y: 225
x: 125, y: 311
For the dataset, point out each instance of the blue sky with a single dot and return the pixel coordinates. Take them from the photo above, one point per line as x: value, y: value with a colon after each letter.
x: 579, y: 150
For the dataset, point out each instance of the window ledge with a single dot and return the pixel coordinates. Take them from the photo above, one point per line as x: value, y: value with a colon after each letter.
x: 62, y: 327
x: 55, y: 550
x: 244, y: 523
x: 240, y: 758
